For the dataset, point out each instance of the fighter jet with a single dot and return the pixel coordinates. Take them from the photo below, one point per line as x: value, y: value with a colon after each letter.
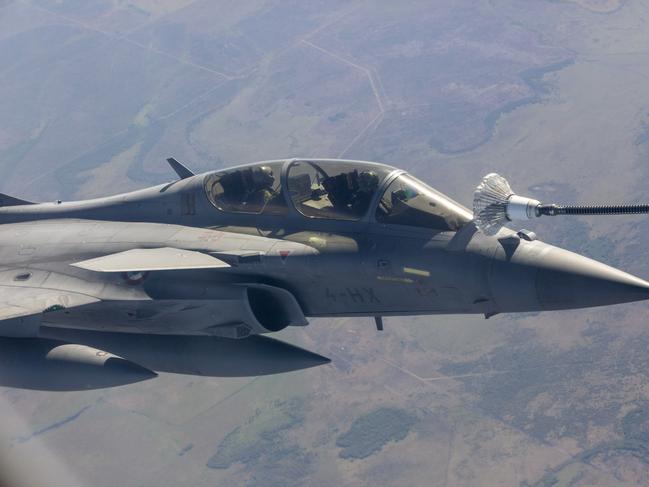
x: 253, y: 249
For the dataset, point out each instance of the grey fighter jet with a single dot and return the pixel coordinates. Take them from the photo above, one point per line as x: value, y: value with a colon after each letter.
x: 219, y: 257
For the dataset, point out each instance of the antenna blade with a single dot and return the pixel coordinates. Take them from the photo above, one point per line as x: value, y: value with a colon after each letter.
x: 379, y: 322
x: 182, y: 171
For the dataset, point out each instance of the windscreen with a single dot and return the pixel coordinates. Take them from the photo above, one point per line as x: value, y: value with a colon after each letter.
x: 408, y: 201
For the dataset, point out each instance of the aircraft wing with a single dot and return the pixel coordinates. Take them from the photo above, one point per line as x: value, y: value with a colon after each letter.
x: 22, y: 308
x: 160, y: 259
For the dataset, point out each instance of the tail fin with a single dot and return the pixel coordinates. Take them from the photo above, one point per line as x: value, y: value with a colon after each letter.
x: 6, y: 200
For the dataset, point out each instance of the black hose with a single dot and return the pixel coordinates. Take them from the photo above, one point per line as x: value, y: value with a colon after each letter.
x: 591, y: 209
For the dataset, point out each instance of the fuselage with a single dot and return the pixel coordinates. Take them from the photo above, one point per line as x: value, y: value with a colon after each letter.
x: 398, y: 248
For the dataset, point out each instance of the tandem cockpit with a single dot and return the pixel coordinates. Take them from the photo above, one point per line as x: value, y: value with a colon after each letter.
x: 334, y: 190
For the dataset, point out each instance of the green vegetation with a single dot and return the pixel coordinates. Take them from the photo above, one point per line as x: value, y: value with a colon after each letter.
x: 260, y: 436
x: 262, y: 445
x: 369, y: 433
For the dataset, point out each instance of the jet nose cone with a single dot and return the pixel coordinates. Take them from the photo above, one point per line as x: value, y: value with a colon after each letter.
x: 568, y: 280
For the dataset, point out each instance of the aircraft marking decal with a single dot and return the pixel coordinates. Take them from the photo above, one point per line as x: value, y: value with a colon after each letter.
x: 363, y: 295
x: 134, y: 278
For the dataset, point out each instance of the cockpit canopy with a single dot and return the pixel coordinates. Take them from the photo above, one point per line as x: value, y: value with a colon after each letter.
x: 407, y: 201
x: 338, y: 190
x: 251, y: 189
x: 334, y: 190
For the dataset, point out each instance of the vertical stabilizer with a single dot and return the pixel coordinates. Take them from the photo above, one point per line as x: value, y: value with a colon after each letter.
x: 6, y: 200
x: 182, y: 170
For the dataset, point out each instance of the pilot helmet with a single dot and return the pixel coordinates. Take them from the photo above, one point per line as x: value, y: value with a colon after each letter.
x: 368, y: 181
x: 263, y: 177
